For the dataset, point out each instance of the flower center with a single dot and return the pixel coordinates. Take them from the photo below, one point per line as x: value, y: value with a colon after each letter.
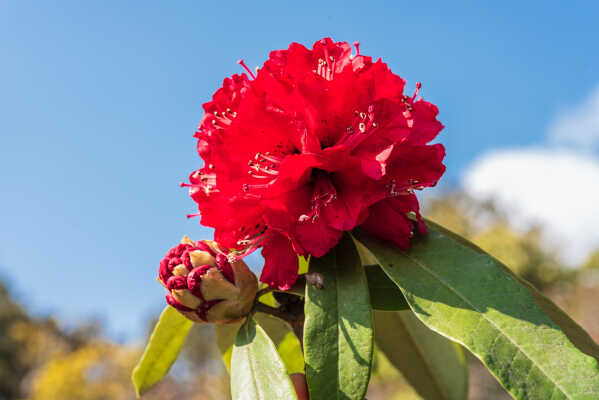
x: 324, y: 193
x: 361, y: 128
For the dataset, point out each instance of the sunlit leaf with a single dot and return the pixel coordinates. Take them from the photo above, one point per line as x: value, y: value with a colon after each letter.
x: 225, y: 339
x: 279, y: 332
x: 578, y: 336
x: 469, y: 297
x: 257, y: 371
x: 161, y: 351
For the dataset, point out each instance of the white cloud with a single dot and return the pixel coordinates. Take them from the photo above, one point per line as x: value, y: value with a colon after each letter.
x: 578, y: 126
x: 556, y: 187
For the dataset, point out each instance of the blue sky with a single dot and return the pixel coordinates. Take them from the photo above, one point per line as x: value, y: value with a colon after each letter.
x: 99, y: 102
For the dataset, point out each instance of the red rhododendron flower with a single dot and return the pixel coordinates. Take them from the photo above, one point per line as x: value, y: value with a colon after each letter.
x: 316, y: 143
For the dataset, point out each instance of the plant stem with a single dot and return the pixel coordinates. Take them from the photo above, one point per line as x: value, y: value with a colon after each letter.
x: 263, y: 308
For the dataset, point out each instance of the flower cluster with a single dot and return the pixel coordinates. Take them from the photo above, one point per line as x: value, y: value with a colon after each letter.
x: 203, y: 285
x: 316, y: 143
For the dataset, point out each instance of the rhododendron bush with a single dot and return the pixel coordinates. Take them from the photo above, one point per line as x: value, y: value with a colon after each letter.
x: 314, y: 160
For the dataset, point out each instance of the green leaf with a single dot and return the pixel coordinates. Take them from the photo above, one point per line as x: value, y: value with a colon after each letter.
x: 384, y: 294
x: 435, y: 367
x: 161, y: 351
x: 280, y: 333
x: 578, y: 336
x: 290, y: 350
x: 288, y: 345
x: 338, y: 334
x: 268, y: 298
x: 304, y: 265
x: 257, y: 372
x: 469, y: 297
x: 225, y: 339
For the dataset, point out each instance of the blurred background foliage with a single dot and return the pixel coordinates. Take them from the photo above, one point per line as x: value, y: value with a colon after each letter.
x: 42, y: 361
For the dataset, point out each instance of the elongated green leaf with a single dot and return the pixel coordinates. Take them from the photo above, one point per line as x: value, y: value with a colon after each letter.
x: 225, y: 339
x: 290, y: 350
x: 280, y: 333
x: 467, y: 296
x: 338, y: 334
x: 257, y: 372
x: 288, y: 345
x: 578, y: 336
x: 435, y: 367
x: 161, y: 351
x: 384, y: 294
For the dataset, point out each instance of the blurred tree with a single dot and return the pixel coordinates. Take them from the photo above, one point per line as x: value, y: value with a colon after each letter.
x: 100, y: 370
x: 96, y: 371
x: 592, y: 262
x: 13, y: 365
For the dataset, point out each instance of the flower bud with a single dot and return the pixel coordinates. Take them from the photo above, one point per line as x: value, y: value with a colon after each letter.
x: 204, y: 286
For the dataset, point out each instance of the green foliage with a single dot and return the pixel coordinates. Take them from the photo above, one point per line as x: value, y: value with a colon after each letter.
x: 257, y: 371
x: 161, y: 351
x: 288, y: 345
x: 384, y: 294
x: 578, y: 336
x: 469, y: 297
x: 338, y: 334
x: 225, y: 339
x: 433, y: 365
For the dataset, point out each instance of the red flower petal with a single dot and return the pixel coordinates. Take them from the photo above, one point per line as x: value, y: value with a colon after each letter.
x: 318, y: 143
x: 280, y: 262
x: 388, y: 220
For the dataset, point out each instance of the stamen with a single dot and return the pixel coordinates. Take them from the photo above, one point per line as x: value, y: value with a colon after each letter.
x: 326, y: 56
x: 418, y: 87
x: 242, y: 63
x: 363, y: 123
x: 321, y: 69
x: 250, y: 242
x: 357, y: 45
x: 324, y: 194
x: 269, y: 157
x: 207, y: 181
x: 395, y: 190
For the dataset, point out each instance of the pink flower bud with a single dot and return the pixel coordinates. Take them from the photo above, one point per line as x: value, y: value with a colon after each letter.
x: 204, y: 286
